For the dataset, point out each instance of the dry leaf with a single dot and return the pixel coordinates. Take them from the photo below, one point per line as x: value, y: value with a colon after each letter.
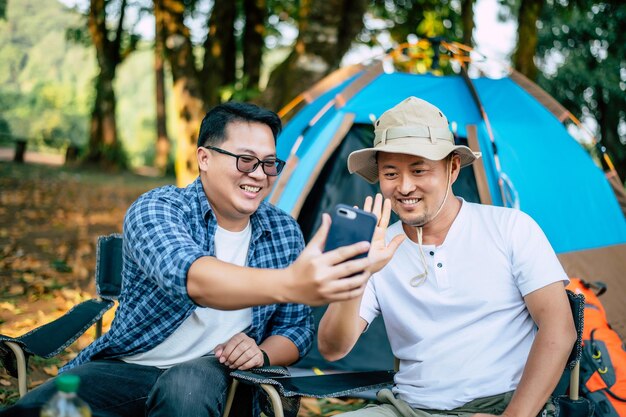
x: 7, y: 306
x: 312, y: 405
x: 16, y: 289
x: 51, y: 370
x: 5, y: 383
x: 38, y: 382
x: 28, y: 277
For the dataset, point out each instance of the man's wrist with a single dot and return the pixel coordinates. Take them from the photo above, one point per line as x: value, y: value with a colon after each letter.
x: 281, y: 290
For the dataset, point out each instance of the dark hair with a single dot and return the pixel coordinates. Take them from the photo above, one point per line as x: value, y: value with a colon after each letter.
x: 213, y: 127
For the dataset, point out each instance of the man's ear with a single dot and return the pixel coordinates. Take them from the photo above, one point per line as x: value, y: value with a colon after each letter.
x: 203, y: 156
x: 455, y: 168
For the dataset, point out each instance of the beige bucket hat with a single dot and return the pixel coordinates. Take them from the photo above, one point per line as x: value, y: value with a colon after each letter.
x: 413, y: 127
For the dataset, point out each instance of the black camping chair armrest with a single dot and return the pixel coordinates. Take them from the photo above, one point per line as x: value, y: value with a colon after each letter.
x: 51, y: 338
x: 318, y: 386
x: 577, y: 304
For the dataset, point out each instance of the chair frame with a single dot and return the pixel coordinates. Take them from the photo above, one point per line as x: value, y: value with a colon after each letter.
x: 20, y: 348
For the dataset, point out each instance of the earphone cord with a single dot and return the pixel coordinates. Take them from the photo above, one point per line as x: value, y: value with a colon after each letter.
x: 419, y: 279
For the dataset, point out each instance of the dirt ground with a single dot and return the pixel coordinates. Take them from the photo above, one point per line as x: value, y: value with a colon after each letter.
x: 50, y: 218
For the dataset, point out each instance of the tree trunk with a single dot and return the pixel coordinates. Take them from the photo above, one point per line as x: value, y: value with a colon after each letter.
x: 104, y: 149
x: 467, y: 20
x: 326, y: 31
x: 253, y: 41
x: 523, y: 59
x: 608, y: 120
x: 220, y: 51
x: 162, y: 142
x: 20, y: 150
x: 187, y: 92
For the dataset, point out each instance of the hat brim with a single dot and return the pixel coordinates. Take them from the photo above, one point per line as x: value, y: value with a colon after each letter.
x: 363, y: 162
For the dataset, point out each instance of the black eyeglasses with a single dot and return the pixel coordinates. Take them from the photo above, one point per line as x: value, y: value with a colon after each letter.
x: 249, y: 163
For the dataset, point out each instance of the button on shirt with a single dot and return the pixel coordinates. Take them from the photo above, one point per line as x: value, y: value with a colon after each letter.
x: 165, y: 231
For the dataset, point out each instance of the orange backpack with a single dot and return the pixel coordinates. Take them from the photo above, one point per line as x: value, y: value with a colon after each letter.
x: 603, y: 361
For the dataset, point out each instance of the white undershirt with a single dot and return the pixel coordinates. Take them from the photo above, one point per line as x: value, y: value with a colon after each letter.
x: 206, y: 327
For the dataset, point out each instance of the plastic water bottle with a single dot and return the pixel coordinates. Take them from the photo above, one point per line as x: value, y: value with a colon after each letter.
x: 65, y: 403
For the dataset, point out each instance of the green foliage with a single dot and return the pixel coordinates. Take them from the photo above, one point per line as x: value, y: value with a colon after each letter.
x: 79, y: 35
x: 44, y: 94
x: 587, y: 41
x: 425, y: 18
x: 47, y: 72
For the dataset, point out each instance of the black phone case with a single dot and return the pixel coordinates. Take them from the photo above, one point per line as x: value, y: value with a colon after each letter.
x: 345, y: 231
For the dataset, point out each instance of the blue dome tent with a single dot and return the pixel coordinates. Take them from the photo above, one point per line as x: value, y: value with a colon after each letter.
x: 529, y: 161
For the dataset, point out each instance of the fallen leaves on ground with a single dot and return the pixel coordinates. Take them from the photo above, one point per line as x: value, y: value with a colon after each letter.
x: 310, y: 407
x: 50, y: 218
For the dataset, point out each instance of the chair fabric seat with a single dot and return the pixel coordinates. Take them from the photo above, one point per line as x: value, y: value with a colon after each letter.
x: 344, y: 384
x: 52, y: 338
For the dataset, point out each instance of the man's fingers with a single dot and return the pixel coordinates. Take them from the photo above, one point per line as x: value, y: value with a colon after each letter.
x: 377, y: 209
x: 383, y: 220
x: 236, y: 351
x: 249, y: 356
x: 218, y: 350
x: 319, y: 239
x: 342, y: 254
x: 347, y: 288
x: 395, y: 243
x: 239, y: 356
x: 350, y: 268
x: 253, y: 362
x: 367, y: 205
x: 229, y: 347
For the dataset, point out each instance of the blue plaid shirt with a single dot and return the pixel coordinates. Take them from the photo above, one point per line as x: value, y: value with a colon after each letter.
x: 165, y: 231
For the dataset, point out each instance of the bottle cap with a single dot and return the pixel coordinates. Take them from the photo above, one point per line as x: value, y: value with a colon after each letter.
x: 68, y: 383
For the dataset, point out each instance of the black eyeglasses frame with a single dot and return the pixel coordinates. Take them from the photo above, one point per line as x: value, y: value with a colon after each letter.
x: 279, y: 164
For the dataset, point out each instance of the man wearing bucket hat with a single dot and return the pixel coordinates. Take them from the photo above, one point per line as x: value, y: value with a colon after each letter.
x: 473, y: 300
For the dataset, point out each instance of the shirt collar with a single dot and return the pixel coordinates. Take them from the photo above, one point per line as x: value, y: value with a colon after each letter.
x: 260, y: 219
x: 205, y: 207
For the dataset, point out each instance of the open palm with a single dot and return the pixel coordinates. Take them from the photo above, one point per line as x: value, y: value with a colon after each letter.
x: 380, y: 252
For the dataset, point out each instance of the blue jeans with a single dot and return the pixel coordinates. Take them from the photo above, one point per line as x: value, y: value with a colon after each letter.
x: 115, y: 388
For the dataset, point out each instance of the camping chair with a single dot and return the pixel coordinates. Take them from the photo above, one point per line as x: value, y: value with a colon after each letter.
x: 52, y: 338
x: 278, y: 385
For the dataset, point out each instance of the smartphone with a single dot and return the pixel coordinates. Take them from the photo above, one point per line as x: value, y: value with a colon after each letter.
x: 350, y: 225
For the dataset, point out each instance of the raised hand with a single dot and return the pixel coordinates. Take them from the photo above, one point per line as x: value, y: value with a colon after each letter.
x: 380, y: 252
x: 318, y: 278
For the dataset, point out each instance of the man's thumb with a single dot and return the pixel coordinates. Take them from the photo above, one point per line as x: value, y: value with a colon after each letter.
x: 319, y: 240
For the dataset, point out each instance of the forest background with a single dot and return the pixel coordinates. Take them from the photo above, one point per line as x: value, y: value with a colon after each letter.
x: 92, y: 83
x: 85, y: 84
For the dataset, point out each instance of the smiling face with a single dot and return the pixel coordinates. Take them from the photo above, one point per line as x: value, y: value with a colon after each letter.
x: 416, y: 186
x: 234, y: 196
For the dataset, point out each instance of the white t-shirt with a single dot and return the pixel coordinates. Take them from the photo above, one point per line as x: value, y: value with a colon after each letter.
x: 206, y: 327
x: 466, y: 332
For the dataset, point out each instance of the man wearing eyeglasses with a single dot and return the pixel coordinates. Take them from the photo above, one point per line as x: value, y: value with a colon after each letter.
x: 214, y: 279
